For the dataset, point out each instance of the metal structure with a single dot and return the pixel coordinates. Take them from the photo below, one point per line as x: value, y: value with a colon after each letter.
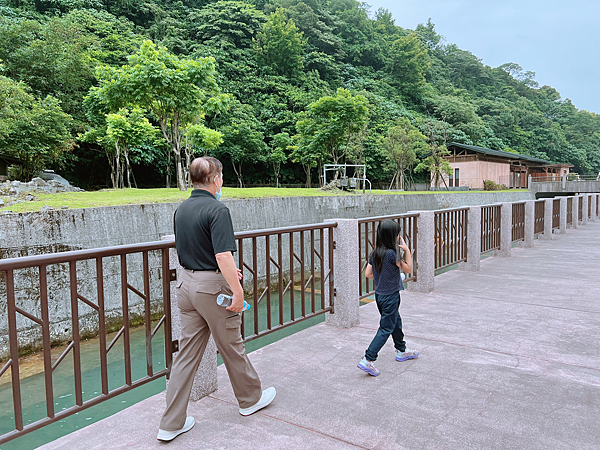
x: 318, y: 264
x: 556, y: 214
x: 310, y: 270
x: 540, y: 208
x: 41, y: 263
x: 518, y: 222
x: 345, y: 181
x: 367, y: 235
x: 450, y: 238
x: 490, y: 228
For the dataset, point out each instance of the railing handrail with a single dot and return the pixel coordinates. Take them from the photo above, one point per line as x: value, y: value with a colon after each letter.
x: 458, y: 208
x: 22, y: 262
x: 391, y: 217
x: 283, y: 230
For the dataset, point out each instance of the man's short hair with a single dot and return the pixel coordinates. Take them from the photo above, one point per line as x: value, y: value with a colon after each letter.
x: 203, y: 170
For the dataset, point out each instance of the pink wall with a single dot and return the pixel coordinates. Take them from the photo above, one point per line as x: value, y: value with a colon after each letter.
x: 472, y: 173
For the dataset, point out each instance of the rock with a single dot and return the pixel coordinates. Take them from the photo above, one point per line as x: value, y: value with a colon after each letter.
x: 46, y: 208
x: 1, y: 203
x: 37, y: 181
x: 29, y: 198
x: 64, y: 207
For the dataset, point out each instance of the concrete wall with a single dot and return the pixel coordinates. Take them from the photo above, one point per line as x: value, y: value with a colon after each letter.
x: 36, y: 233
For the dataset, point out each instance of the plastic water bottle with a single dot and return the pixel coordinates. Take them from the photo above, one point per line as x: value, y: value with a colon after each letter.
x: 226, y: 300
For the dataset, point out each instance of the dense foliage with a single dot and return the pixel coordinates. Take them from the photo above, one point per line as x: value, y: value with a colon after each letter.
x: 274, y: 88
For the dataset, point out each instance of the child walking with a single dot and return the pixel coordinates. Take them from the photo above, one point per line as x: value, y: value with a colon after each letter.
x: 384, y: 267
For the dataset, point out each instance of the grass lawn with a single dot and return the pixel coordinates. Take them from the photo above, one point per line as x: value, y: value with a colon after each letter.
x: 114, y: 197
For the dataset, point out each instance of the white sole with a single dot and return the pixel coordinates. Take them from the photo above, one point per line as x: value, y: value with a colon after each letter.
x: 262, y: 403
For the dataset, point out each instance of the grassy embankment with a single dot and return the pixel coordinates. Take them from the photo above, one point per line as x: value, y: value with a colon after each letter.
x: 115, y: 197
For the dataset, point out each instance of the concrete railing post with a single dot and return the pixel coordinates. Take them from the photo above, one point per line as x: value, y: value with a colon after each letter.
x: 564, y: 181
x: 563, y: 215
x: 548, y: 210
x: 529, y: 223
x: 345, y: 276
x: 205, y: 380
x: 584, y: 212
x: 425, y: 253
x: 575, y: 212
x: 472, y: 264
x: 505, y: 231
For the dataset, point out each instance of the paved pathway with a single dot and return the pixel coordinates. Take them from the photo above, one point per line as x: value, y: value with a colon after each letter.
x: 510, y: 359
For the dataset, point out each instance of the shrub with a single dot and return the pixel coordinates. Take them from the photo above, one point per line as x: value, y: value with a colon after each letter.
x: 489, y: 185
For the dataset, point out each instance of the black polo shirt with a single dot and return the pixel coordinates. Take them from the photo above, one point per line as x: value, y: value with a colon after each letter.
x: 203, y: 228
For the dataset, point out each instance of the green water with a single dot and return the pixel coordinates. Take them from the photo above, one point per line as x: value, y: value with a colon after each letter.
x: 33, y: 387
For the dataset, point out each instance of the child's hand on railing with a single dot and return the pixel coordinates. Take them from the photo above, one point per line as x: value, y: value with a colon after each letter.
x: 402, y: 244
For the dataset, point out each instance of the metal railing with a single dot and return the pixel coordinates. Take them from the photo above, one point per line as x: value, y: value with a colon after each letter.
x: 570, y: 210
x: 490, y: 228
x: 518, y: 222
x: 11, y: 267
x: 556, y: 214
x: 367, y: 234
x: 450, y: 237
x: 580, y: 209
x: 291, y: 259
x: 540, y: 208
x: 309, y: 261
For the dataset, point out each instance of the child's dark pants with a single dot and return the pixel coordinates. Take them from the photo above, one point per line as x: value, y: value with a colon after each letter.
x: 390, y: 323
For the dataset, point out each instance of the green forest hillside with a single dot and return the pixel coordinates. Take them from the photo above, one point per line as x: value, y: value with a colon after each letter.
x: 274, y: 88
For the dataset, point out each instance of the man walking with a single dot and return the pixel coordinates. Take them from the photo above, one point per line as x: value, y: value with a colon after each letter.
x: 205, y: 244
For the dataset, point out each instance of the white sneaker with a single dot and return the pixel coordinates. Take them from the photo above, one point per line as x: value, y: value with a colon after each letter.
x: 265, y: 400
x: 170, y: 435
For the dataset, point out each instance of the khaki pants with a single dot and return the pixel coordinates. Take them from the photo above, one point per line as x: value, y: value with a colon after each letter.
x: 200, y: 316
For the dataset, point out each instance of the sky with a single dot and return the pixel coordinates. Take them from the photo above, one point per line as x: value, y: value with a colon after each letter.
x: 558, y: 40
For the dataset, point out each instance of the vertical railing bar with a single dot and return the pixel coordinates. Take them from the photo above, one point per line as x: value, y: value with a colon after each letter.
x: 360, y: 260
x: 312, y: 270
x: 125, y: 307
x: 322, y: 247
x: 14, y: 349
x: 302, y: 268
x: 241, y: 267
x: 268, y: 278
x: 46, y: 342
x: 75, y: 333
x: 147, y: 314
x: 292, y: 312
x: 102, y: 325
x: 331, y: 284
x: 166, y: 282
x: 255, y: 282
x: 280, y: 263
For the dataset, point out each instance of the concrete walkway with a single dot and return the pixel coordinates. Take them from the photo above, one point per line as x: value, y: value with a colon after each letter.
x: 510, y: 359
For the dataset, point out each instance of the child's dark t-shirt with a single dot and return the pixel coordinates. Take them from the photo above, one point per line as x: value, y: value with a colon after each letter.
x: 388, y: 281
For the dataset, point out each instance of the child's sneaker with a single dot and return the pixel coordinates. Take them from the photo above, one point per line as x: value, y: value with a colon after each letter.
x: 368, y: 367
x: 406, y: 354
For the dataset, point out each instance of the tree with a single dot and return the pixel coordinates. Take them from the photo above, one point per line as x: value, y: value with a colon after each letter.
x: 198, y: 137
x: 126, y: 129
x: 177, y: 91
x: 34, y: 131
x: 400, y: 146
x: 280, y: 45
x: 281, y: 142
x: 330, y: 123
x: 434, y: 163
x: 408, y: 63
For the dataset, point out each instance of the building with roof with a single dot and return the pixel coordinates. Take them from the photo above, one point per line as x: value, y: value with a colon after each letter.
x: 471, y: 165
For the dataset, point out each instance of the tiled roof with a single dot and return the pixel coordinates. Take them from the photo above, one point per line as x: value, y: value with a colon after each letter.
x: 500, y: 153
